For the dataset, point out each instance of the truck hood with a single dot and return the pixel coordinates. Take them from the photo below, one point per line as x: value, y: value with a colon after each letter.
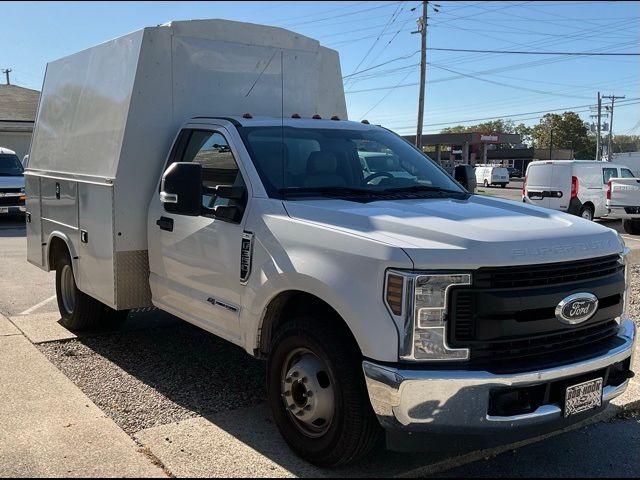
x: 472, y: 233
x: 11, y: 182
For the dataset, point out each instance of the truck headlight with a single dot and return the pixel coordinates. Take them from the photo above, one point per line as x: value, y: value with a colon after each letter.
x: 418, y: 303
x: 624, y: 260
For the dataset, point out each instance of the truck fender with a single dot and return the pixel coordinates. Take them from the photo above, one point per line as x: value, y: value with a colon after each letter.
x: 72, y: 252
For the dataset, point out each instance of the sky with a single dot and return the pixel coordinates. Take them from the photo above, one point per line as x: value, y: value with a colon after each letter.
x: 375, y: 41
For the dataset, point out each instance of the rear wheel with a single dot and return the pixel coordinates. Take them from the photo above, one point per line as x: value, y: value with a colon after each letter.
x: 486, y: 183
x: 317, y: 394
x: 632, y: 227
x: 586, y: 212
x: 503, y: 185
x: 78, y: 310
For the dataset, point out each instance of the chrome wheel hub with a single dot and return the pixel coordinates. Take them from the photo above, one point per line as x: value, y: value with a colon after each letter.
x: 307, y: 391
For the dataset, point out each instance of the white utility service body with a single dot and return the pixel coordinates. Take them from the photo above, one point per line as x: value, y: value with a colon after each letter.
x: 377, y: 298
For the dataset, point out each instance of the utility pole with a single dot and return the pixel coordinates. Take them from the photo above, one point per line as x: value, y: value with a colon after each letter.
x: 598, y: 128
x: 551, y: 145
x: 422, y: 30
x: 613, y: 99
x: 7, y: 71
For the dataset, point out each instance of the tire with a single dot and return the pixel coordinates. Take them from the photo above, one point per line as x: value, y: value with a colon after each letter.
x: 351, y: 428
x: 486, y: 183
x: 503, y: 185
x: 586, y: 212
x: 632, y: 227
x: 78, y: 310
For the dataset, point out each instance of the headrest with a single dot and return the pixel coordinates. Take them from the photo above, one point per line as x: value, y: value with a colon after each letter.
x: 322, y: 162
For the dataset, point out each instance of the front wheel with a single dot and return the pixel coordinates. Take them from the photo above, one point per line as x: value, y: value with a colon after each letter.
x: 317, y: 394
x: 586, y: 213
x: 78, y: 310
x: 632, y: 227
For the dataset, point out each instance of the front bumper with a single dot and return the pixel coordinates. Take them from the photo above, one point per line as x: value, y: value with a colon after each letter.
x: 457, y: 401
x: 12, y: 209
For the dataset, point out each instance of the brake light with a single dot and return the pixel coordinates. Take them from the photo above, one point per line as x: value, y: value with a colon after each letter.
x: 609, y: 190
x: 575, y: 187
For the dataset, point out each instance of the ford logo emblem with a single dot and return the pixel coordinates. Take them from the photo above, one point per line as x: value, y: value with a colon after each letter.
x: 577, y: 308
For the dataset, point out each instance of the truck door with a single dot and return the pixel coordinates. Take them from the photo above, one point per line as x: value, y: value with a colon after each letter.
x: 195, y: 261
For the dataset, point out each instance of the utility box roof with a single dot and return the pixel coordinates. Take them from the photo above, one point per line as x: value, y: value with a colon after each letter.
x: 99, y: 105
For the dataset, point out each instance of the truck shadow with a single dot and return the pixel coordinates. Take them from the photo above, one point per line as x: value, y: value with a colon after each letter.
x: 205, y: 376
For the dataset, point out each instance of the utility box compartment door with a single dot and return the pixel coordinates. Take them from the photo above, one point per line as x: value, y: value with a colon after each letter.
x: 35, y: 249
x: 95, y: 270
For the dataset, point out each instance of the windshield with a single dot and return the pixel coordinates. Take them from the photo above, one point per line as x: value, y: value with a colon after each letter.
x: 10, y: 165
x: 375, y: 161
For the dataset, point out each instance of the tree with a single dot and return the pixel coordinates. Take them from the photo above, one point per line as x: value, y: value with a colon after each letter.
x: 569, y: 132
x: 626, y: 143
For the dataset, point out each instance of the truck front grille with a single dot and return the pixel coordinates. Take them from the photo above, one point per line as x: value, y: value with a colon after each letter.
x: 11, y: 201
x: 544, y: 345
x: 548, y: 274
x: 507, y: 316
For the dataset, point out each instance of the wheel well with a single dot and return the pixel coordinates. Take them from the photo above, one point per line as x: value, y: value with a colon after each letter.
x: 57, y: 247
x: 290, y: 304
x: 590, y: 205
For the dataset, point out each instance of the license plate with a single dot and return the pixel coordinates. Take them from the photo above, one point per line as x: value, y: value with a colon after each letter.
x: 4, y: 209
x: 582, y: 397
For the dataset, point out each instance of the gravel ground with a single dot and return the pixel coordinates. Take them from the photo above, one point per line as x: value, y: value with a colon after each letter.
x: 152, y: 377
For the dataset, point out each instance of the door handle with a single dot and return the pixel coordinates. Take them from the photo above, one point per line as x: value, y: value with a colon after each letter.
x: 165, y: 223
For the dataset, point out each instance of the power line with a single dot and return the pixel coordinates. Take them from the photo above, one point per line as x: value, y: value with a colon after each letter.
x: 629, y: 102
x: 502, y: 84
x: 617, y: 54
x: 385, y: 96
x: 343, y: 15
x: 384, y: 29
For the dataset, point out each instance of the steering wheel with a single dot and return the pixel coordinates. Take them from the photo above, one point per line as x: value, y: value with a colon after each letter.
x: 376, y: 175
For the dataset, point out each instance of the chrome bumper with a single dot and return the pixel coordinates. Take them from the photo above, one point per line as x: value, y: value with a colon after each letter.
x: 457, y: 401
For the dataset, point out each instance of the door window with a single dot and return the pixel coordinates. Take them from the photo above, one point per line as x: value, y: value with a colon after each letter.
x: 626, y: 173
x: 219, y: 167
x: 608, y: 174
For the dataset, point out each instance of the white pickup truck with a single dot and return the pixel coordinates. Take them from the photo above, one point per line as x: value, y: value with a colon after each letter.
x: 623, y: 201
x: 208, y: 168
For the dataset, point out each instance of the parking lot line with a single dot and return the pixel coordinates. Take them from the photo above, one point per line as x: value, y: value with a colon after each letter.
x: 37, y: 306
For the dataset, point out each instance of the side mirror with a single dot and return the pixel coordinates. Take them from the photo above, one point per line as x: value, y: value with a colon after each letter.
x: 460, y: 173
x: 181, y: 189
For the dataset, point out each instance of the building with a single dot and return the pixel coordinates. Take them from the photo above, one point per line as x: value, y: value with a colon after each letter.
x: 468, y: 147
x: 478, y: 147
x: 18, y: 107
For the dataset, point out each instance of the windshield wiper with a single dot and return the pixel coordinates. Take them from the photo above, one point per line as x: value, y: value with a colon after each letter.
x: 326, y: 191
x: 420, y: 188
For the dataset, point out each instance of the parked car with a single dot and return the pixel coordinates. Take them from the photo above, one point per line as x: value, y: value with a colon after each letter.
x: 623, y: 201
x: 490, y: 175
x: 12, y: 196
x: 574, y: 186
x: 231, y: 200
x: 514, y: 172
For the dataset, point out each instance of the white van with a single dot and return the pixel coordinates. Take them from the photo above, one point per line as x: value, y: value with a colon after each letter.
x: 488, y: 175
x: 574, y: 186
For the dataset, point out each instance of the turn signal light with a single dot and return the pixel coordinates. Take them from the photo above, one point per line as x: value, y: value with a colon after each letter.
x: 609, y: 190
x: 395, y: 287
